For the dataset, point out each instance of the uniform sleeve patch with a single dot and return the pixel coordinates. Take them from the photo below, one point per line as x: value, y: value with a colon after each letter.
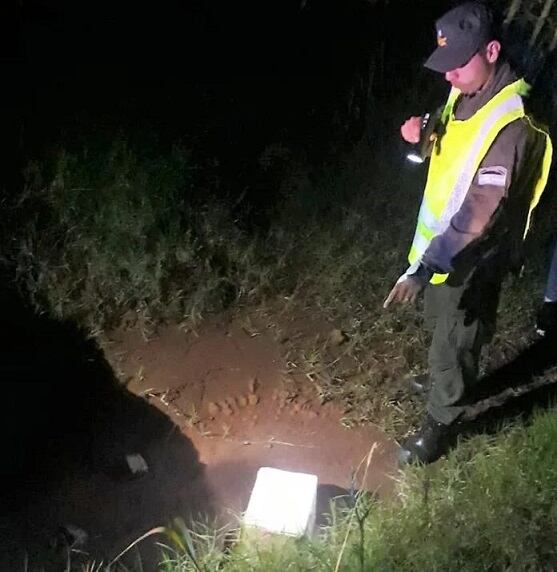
x: 495, y: 176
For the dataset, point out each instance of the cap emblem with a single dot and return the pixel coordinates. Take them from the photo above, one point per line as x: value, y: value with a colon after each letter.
x: 441, y: 39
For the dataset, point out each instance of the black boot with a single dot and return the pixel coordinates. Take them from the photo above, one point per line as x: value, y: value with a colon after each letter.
x: 419, y: 384
x: 427, y: 445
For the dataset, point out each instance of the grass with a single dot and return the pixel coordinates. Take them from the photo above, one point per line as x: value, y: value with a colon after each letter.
x: 112, y: 235
x: 491, y: 505
x: 119, y: 240
x: 109, y: 235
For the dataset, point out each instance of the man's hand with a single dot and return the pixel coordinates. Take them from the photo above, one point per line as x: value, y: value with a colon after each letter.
x: 411, y: 129
x: 405, y: 291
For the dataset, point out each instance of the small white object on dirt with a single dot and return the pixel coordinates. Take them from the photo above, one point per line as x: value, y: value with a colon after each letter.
x: 136, y: 464
x: 282, y: 502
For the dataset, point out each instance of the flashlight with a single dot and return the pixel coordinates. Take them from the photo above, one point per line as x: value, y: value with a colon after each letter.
x: 418, y: 152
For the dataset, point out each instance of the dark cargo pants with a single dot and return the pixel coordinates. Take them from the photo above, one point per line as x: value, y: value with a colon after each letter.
x: 461, y: 319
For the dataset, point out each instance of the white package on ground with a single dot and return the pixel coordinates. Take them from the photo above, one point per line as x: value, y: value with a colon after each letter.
x: 282, y: 502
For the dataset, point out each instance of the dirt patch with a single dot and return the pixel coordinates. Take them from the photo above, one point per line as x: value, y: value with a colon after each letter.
x: 230, y: 391
x: 203, y: 410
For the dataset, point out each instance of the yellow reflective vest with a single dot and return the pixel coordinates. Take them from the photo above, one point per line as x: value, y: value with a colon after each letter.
x: 452, y: 168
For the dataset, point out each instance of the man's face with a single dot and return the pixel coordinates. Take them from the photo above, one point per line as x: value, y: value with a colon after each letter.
x: 473, y: 75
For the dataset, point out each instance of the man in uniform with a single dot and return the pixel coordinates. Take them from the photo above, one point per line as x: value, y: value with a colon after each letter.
x: 488, y: 167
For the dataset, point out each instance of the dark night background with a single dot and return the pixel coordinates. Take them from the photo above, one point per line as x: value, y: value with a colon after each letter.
x: 224, y: 78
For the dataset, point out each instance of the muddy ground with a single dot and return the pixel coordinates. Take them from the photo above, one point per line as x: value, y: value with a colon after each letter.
x: 204, y: 410
x: 229, y: 391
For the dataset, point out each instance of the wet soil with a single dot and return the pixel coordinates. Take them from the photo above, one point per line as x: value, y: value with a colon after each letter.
x: 204, y: 410
x: 229, y: 392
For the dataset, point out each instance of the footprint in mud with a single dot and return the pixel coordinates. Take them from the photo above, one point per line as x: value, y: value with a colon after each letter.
x: 234, y: 403
x: 293, y: 403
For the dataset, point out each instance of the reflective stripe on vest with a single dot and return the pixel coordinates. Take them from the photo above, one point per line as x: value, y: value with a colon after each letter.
x: 452, y: 168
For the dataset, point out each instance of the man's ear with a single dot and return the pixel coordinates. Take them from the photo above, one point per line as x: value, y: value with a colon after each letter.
x: 492, y: 51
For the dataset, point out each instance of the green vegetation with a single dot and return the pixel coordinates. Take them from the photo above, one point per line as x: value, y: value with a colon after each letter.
x: 110, y: 236
x: 492, y: 505
x: 110, y: 233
